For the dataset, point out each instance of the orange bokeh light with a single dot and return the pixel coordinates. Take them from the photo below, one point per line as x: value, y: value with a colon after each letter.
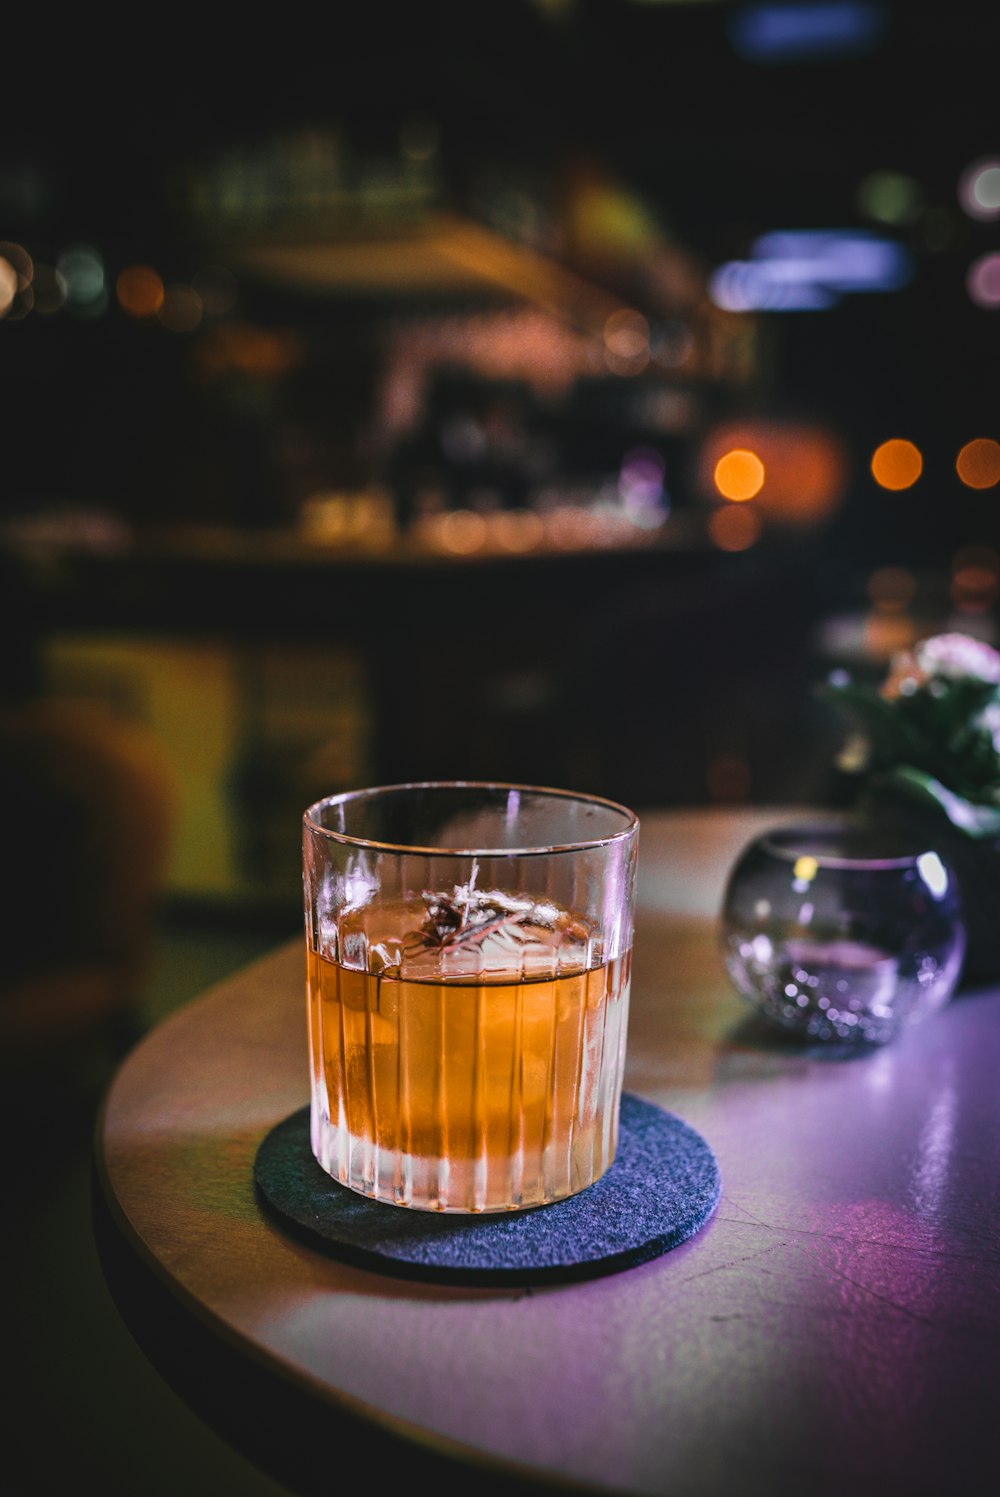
x: 885, y: 634
x: 626, y: 342
x: 8, y: 286
x: 739, y: 474
x: 897, y: 464
x: 240, y: 348
x: 461, y: 531
x: 733, y: 528
x: 978, y: 463
x: 803, y: 468
x: 975, y: 579
x: 517, y: 530
x: 627, y: 333
x: 892, y: 589
x: 974, y: 589
x: 16, y: 272
x: 140, y: 291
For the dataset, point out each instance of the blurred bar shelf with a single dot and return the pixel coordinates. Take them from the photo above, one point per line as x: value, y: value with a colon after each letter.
x: 273, y: 582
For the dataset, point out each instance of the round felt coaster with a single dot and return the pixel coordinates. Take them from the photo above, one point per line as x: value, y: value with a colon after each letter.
x: 662, y: 1187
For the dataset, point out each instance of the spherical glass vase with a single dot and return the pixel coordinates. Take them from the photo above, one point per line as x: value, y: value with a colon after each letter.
x: 837, y: 931
x: 975, y: 862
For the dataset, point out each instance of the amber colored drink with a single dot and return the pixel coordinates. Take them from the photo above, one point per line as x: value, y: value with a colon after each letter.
x: 474, y: 1074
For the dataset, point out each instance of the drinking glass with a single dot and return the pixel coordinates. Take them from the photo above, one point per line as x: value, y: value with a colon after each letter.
x: 469, y: 952
x: 836, y: 933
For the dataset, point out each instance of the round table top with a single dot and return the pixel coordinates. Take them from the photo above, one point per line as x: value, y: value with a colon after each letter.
x: 834, y: 1326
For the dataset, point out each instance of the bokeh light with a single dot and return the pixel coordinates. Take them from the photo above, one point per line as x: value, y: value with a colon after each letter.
x: 885, y: 634
x: 783, y: 32
x: 892, y: 589
x: 626, y: 342
x: 982, y: 281
x: 17, y: 256
x: 979, y: 189
x: 139, y: 289
x: 748, y: 286
x: 229, y: 348
x: 571, y: 527
x: 461, y: 532
x: 82, y: 270
x: 897, y: 464
x: 181, y: 311
x: 8, y: 286
x: 640, y: 486
x: 978, y: 463
x: 351, y: 520
x: 16, y: 274
x: 805, y: 467
x: 975, y: 579
x: 890, y: 197
x: 517, y: 530
x: 735, y: 527
x: 798, y: 270
x: 739, y: 474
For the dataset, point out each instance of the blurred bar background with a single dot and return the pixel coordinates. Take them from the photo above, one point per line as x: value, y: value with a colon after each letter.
x: 549, y: 390
x: 553, y: 390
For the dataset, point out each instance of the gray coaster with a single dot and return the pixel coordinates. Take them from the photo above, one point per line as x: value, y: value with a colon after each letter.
x: 662, y: 1188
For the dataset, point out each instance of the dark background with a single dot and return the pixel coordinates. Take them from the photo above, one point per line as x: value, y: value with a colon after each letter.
x: 105, y: 134
x: 657, y: 96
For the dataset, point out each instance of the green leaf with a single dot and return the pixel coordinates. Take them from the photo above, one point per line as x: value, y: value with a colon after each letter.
x: 971, y: 817
x: 893, y: 736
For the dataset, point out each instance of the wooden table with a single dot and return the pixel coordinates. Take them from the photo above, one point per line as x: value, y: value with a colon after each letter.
x: 835, y: 1328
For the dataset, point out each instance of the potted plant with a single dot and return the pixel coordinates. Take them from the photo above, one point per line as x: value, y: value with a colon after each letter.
x: 924, y: 755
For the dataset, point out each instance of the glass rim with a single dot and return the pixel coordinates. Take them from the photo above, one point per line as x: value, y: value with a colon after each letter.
x: 349, y: 839
x: 811, y: 834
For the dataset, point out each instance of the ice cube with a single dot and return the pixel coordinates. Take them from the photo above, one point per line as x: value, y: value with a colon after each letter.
x: 495, y: 934
x: 384, y: 959
x: 354, y: 950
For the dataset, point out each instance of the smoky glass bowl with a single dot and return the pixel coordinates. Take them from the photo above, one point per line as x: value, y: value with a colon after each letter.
x: 834, y: 932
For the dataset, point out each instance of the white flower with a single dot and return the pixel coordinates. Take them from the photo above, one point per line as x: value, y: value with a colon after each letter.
x: 942, y: 657
x: 957, y: 656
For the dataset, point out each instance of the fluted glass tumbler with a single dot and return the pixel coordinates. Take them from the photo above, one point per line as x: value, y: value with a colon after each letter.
x: 836, y: 934
x: 468, y: 953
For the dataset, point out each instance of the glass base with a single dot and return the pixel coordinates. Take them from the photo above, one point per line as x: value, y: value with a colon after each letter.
x: 842, y: 991
x: 512, y: 1182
